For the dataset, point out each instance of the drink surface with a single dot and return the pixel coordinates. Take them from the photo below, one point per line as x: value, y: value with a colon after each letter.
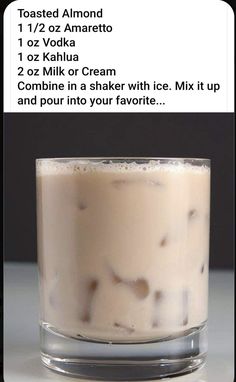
x: 123, y: 248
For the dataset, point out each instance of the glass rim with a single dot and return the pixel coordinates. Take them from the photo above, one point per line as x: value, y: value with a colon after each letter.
x: 164, y: 159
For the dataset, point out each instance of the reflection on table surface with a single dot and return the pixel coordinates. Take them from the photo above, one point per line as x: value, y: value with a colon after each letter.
x: 28, y: 367
x: 197, y: 376
x: 37, y: 372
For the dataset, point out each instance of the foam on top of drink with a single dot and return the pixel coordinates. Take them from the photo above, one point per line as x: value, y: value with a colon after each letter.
x: 68, y: 167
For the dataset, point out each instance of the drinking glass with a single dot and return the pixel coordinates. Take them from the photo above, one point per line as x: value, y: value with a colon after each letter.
x: 123, y: 249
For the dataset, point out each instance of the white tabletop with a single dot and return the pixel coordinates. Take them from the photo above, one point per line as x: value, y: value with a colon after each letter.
x: 21, y: 334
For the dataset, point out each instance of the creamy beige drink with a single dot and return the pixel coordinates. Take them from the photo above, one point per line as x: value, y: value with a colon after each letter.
x: 123, y: 247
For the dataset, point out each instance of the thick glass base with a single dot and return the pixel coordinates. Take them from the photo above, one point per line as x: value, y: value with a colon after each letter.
x: 109, y: 361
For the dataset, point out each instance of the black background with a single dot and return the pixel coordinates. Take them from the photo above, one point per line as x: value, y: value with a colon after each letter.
x: 30, y: 136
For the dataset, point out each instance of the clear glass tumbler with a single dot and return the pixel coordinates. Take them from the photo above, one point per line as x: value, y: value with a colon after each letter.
x: 123, y: 249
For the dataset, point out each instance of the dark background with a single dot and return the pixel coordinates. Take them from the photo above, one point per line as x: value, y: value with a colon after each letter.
x: 30, y: 136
